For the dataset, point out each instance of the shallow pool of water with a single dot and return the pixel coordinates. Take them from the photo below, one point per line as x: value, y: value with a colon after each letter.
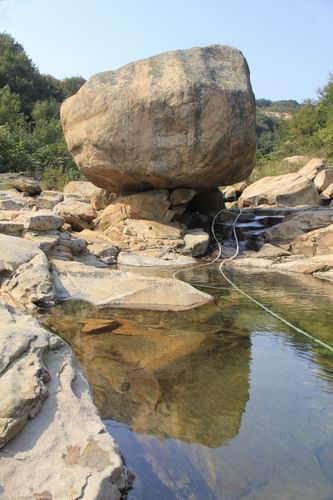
x: 222, y: 402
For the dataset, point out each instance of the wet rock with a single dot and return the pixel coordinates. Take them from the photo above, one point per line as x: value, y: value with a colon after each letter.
x: 307, y: 266
x: 297, y: 224
x: 326, y: 275
x: 74, y: 280
x: 179, y: 119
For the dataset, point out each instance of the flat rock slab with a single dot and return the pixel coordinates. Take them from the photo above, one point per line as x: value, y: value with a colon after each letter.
x: 16, y: 251
x: 54, y: 444
x: 75, y: 280
x: 137, y: 260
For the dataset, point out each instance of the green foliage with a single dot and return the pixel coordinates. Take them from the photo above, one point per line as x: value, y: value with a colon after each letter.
x: 57, y: 177
x: 308, y: 132
x: 31, y: 138
x: 10, y: 109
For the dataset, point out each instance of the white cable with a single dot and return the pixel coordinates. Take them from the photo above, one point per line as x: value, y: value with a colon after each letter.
x: 229, y: 259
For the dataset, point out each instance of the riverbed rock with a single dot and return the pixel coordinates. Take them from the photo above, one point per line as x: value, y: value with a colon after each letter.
x: 11, y: 227
x: 153, y: 204
x: 27, y: 185
x: 138, y: 260
x: 326, y: 275
x: 54, y: 444
x: 323, y: 179
x: 327, y: 195
x: 179, y: 119
x: 77, y: 281
x: 88, y: 192
x: 283, y: 190
x: 15, y: 252
x: 312, y: 168
x: 196, y: 241
x: 297, y: 224
x: 307, y: 266
x: 49, y: 199
x: 25, y: 270
x: 317, y: 242
x: 42, y: 220
x: 77, y: 213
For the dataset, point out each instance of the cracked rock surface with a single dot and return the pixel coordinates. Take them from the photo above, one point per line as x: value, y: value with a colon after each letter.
x: 53, y: 443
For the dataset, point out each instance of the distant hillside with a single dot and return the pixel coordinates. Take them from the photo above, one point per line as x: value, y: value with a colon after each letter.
x: 269, y: 116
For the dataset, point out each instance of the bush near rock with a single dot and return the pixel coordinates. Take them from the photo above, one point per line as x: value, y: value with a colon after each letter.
x: 179, y: 119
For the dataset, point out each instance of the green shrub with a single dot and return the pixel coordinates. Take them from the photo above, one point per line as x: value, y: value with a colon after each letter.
x: 57, y: 177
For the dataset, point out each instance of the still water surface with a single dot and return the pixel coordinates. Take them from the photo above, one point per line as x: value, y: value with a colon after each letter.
x: 222, y: 402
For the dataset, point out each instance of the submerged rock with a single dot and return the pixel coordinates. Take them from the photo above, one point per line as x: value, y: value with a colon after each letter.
x: 179, y: 119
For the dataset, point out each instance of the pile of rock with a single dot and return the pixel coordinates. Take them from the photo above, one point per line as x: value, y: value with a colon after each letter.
x: 302, y: 243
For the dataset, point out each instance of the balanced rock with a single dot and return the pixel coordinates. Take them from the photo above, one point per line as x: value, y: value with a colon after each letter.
x: 179, y: 119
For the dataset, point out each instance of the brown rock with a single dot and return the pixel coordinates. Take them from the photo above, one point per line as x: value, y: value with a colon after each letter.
x: 26, y: 185
x: 179, y: 119
x: 323, y: 179
x: 312, y: 168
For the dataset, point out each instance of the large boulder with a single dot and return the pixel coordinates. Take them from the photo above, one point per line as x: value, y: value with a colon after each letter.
x: 179, y: 119
x: 287, y: 190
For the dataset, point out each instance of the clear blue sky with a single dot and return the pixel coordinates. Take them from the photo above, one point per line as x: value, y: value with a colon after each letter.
x: 288, y: 43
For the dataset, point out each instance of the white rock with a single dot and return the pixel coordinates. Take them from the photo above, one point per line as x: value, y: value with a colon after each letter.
x: 74, y: 280
x: 137, y: 260
x: 58, y: 446
x: 196, y: 241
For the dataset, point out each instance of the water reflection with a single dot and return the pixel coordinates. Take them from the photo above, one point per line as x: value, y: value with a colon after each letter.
x: 161, y: 373
x: 222, y: 402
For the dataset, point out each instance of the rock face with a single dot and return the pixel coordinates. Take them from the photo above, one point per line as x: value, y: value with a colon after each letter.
x: 287, y: 190
x: 178, y: 119
x: 56, y: 444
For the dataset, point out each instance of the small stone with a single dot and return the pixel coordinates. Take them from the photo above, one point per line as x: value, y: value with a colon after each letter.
x: 196, y: 240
